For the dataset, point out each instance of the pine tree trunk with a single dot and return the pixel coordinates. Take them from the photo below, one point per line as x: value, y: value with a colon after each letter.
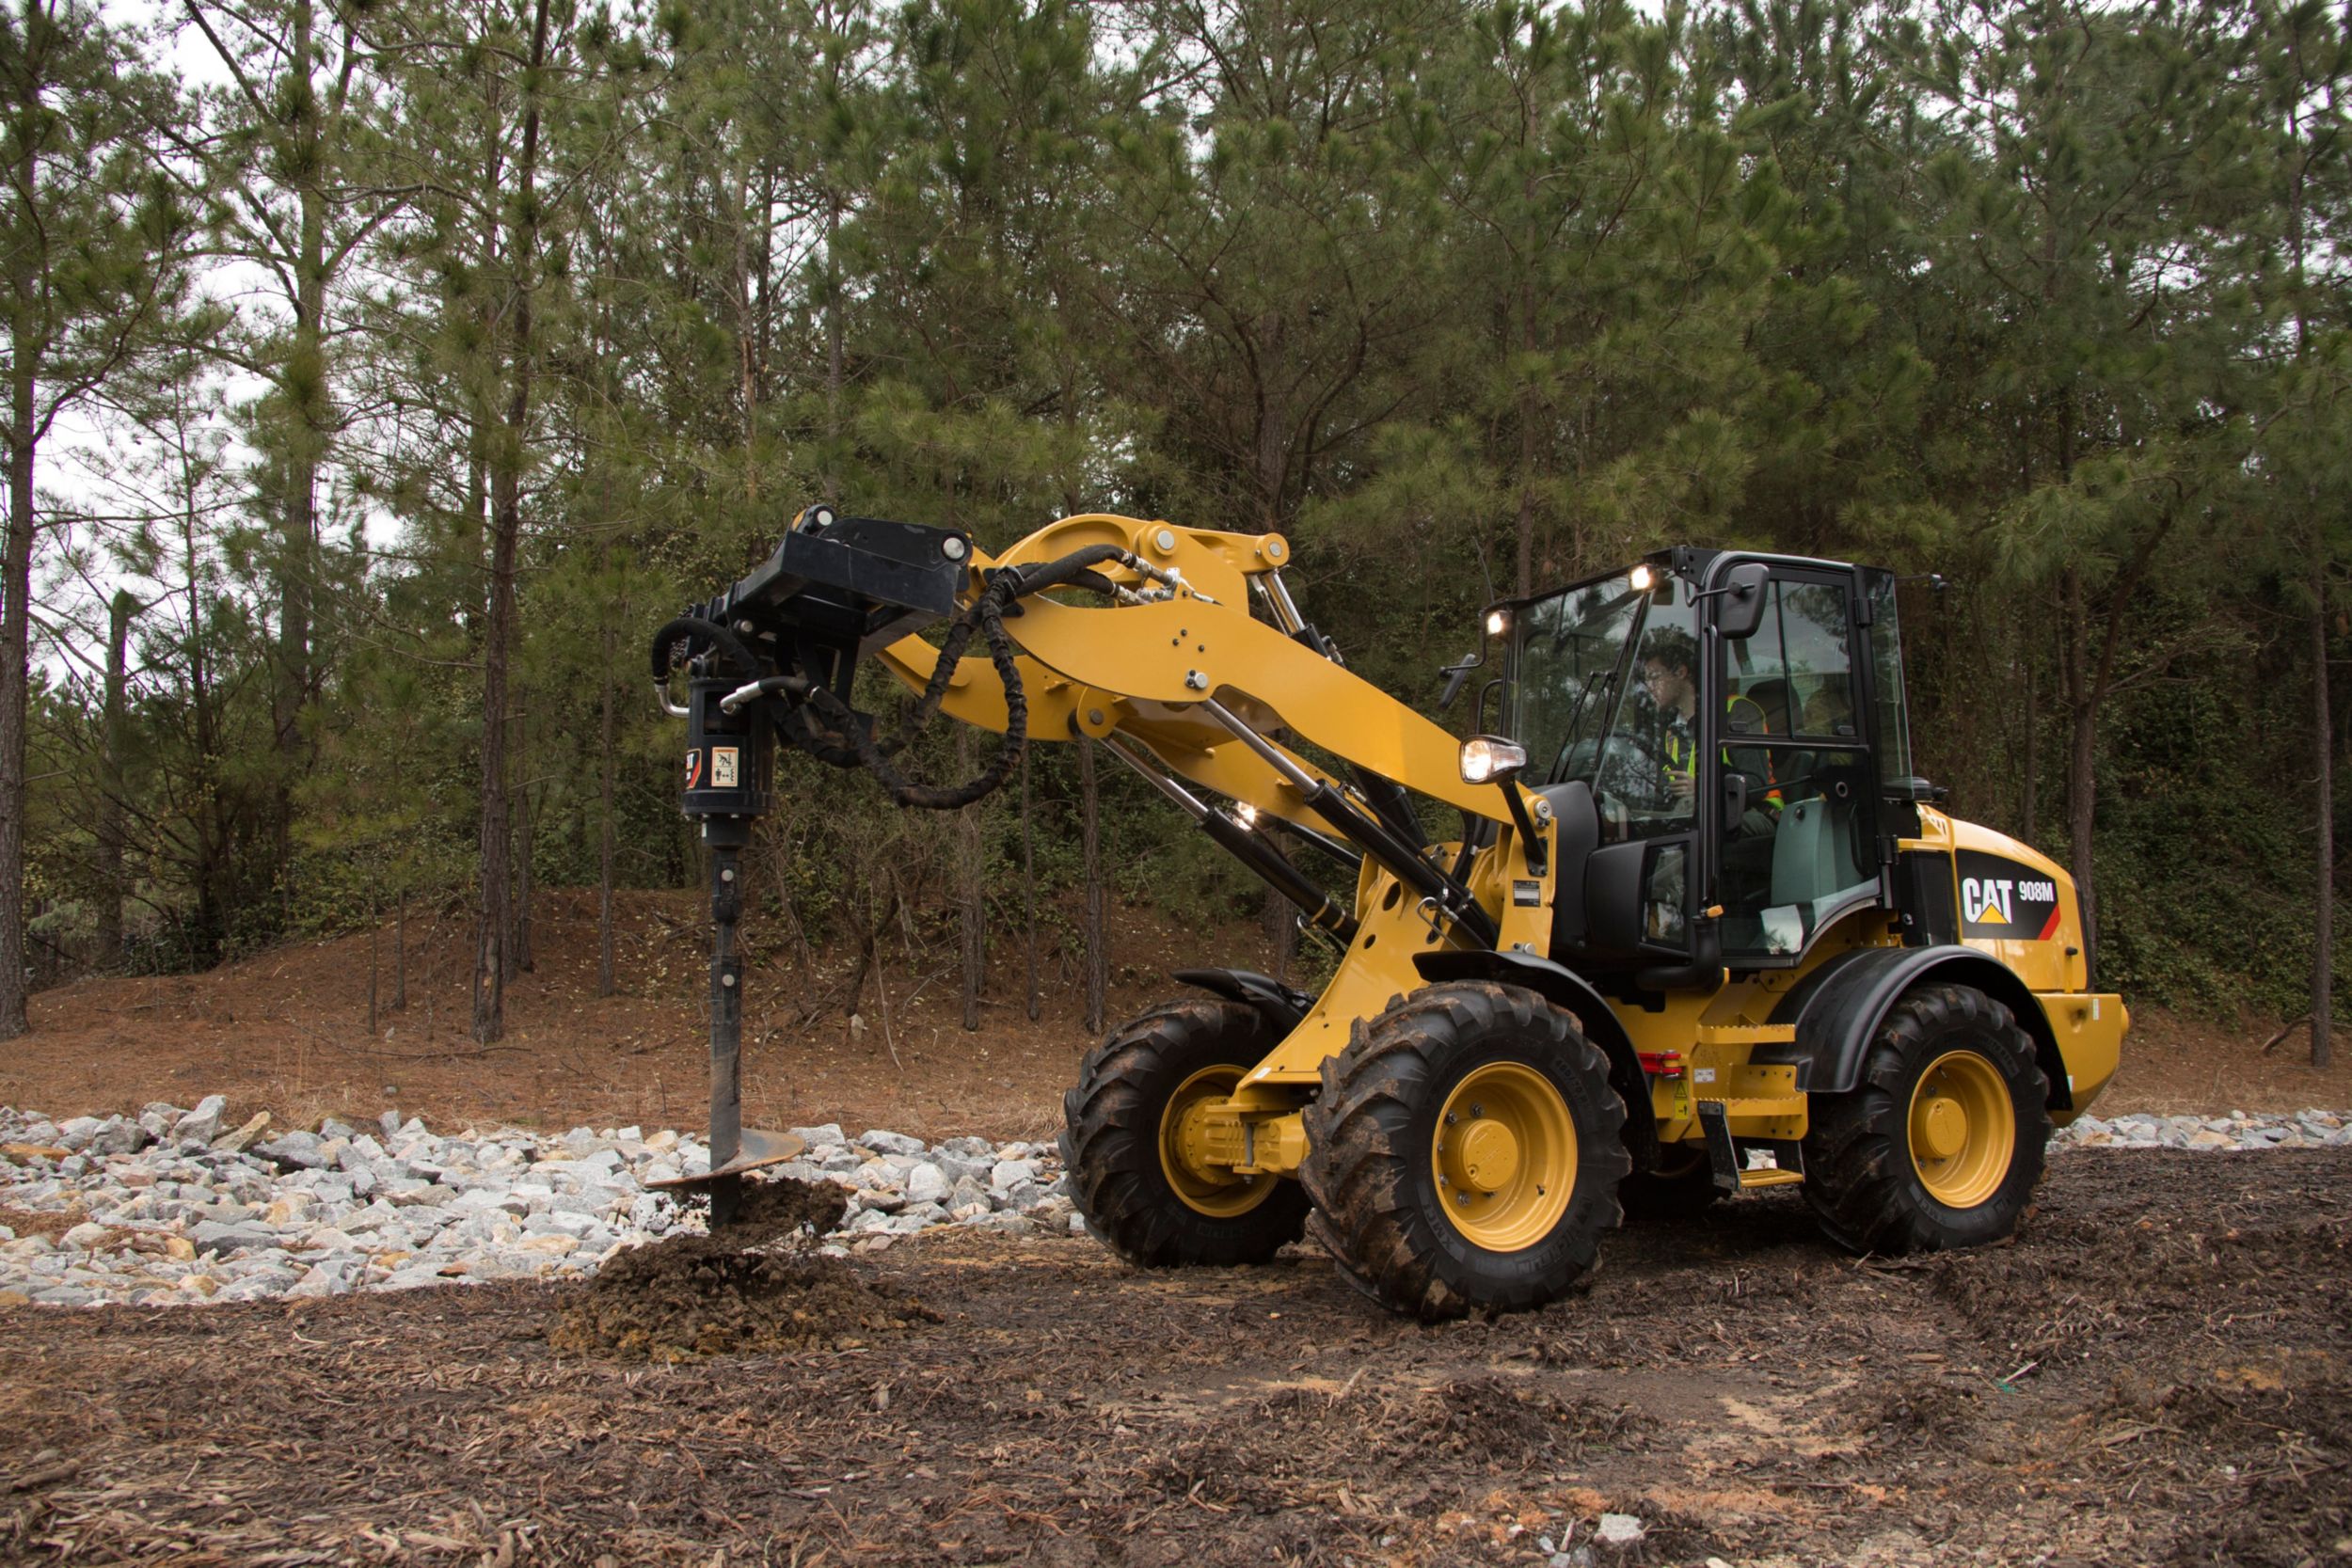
x: 110, y: 805
x: 2029, y: 788
x: 16, y: 579
x: 1278, y: 918
x: 400, y: 949
x: 489, y: 989
x: 2081, y: 781
x: 519, y: 956
x: 1028, y: 892
x: 1098, y: 964
x: 968, y: 893
x: 604, y: 829
x: 374, y: 933
x: 2324, y: 868
x: 303, y: 381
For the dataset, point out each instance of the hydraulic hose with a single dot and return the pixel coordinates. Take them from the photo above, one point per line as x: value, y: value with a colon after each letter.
x: 847, y: 737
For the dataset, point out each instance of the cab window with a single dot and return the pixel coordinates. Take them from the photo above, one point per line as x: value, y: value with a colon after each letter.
x: 1799, y: 851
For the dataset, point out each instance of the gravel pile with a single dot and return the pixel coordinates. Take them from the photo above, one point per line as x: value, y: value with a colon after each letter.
x: 171, y: 1206
x: 2297, y: 1130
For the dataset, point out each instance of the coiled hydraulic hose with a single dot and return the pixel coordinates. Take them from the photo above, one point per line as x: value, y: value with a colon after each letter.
x: 847, y: 739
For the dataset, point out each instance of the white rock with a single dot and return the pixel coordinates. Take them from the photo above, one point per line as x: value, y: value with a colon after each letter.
x: 1621, y: 1529
x: 883, y: 1141
x: 928, y: 1183
x: 203, y: 1123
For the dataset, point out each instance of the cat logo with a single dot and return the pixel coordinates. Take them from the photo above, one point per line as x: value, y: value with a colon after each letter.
x: 2003, y: 898
x: 1987, y: 899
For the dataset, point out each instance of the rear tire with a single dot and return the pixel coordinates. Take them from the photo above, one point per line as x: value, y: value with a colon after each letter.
x: 1134, y: 1197
x: 1941, y: 1142
x: 1502, y: 1209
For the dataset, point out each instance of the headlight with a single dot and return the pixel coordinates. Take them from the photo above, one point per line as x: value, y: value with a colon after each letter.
x: 1641, y: 578
x: 1486, y: 758
x: 1498, y: 621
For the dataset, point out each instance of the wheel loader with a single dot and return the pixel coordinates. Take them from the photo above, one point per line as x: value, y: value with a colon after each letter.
x: 1687, y: 924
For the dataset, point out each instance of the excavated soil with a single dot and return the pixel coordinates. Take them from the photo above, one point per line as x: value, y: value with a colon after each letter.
x: 754, y: 1286
x: 2154, y: 1373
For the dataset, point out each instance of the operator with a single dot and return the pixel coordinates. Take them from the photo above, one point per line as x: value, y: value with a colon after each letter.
x: 1670, y: 670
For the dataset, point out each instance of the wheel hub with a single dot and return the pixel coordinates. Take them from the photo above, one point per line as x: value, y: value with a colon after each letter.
x: 1201, y: 1181
x: 1504, y: 1156
x: 1490, y: 1156
x: 1963, y: 1129
x: 1940, y: 1128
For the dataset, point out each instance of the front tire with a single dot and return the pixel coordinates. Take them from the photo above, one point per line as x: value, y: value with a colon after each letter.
x: 1464, y: 1152
x: 1941, y: 1144
x: 1118, y: 1141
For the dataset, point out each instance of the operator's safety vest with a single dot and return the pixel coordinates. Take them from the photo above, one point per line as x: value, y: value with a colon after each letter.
x: 1682, y: 752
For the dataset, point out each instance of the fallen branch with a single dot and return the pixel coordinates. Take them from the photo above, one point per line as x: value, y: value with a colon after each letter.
x: 2284, y: 1030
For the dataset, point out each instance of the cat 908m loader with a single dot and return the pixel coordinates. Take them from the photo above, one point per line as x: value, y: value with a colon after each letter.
x: 1700, y: 928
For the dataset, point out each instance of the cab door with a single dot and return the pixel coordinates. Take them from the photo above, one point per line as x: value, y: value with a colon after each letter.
x: 1792, y: 831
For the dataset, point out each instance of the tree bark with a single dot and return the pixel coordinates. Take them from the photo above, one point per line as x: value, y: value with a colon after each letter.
x: 110, y: 803
x: 2029, y: 788
x: 303, y: 382
x: 1028, y: 892
x: 970, y: 898
x: 1097, y: 955
x: 2081, y: 783
x: 519, y: 956
x: 604, y: 827
x: 489, y: 988
x: 2324, y: 868
x: 16, y: 578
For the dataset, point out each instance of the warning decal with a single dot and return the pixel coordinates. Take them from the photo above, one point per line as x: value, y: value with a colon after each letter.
x: 722, y: 767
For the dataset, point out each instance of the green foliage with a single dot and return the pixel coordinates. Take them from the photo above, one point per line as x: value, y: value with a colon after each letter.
x: 1469, y: 296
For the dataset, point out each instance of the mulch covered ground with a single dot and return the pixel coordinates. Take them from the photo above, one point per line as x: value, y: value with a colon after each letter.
x: 2154, y: 1373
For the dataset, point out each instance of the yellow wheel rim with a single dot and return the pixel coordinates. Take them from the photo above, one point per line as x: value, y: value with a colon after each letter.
x: 1216, y: 1191
x: 1504, y: 1154
x: 1963, y: 1129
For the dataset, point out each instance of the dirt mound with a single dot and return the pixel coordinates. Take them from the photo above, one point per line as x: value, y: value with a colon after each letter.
x: 775, y: 1209
x: 1511, y: 1418
x: 748, y: 1289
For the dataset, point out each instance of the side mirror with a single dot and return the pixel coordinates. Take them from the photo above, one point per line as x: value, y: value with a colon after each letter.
x: 1456, y: 676
x: 1743, y: 609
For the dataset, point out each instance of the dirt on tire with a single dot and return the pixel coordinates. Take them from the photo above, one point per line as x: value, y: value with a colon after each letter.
x: 753, y: 1286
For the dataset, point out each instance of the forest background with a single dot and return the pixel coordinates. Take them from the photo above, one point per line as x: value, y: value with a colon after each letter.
x: 370, y: 403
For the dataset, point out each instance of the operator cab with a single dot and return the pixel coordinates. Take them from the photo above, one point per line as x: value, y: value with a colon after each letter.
x: 1723, y: 737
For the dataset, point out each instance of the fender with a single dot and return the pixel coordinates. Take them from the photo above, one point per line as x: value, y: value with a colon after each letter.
x: 1565, y: 987
x: 1281, y: 1006
x: 1838, y: 1007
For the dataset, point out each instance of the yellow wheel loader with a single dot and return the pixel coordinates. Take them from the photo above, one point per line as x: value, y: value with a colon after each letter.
x: 1693, y: 926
